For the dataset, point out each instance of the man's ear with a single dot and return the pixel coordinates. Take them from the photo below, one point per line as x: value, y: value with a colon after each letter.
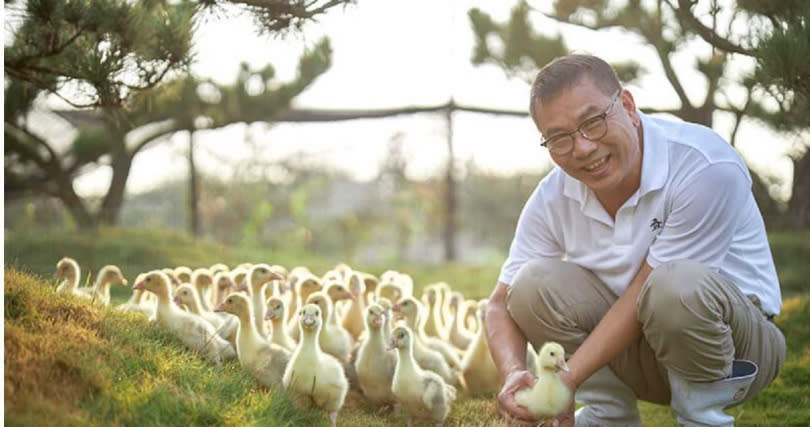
x: 629, y: 105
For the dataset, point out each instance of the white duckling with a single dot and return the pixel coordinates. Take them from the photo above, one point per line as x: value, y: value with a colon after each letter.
x: 459, y: 335
x: 479, y: 371
x: 444, y: 293
x: 434, y: 321
x: 290, y: 285
x: 427, y: 357
x: 313, y: 376
x: 332, y: 275
x: 344, y: 270
x: 67, y: 269
x: 276, y: 315
x: 138, y: 302
x: 304, y: 287
x: 414, y: 313
x: 100, y: 292
x: 394, y: 286
x: 238, y: 276
x: 226, y: 326
x: 470, y: 322
x: 421, y: 393
x: 183, y: 274
x: 202, y: 279
x: 353, y: 318
x: 223, y: 285
x: 549, y: 396
x: 280, y: 270
x: 218, y: 268
x: 374, y: 365
x: 333, y: 338
x: 370, y: 281
x: 339, y: 294
x: 192, y: 330
x: 258, y: 277
x: 263, y: 360
x: 389, y: 290
x: 296, y: 273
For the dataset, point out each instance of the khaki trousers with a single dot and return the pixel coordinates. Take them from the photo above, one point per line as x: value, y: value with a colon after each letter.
x: 695, y: 322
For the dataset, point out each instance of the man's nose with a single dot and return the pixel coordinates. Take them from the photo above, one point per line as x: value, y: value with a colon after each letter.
x: 583, y: 147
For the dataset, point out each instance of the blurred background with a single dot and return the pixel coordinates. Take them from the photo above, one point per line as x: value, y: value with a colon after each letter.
x: 377, y: 133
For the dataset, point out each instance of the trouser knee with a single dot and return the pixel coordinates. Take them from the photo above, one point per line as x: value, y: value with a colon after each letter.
x: 555, y: 300
x: 681, y: 311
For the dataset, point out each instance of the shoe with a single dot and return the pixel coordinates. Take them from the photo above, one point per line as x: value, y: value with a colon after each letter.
x: 703, y: 404
x: 608, y: 402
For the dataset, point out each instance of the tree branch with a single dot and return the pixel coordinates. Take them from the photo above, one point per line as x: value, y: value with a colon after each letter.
x: 684, y: 11
x: 285, y: 10
x: 19, y: 134
x: 16, y: 62
x: 601, y: 25
x: 159, y: 134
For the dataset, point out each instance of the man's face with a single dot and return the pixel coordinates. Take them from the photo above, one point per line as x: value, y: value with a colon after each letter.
x: 609, y: 166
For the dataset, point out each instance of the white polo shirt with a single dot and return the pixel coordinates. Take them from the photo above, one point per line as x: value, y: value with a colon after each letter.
x: 694, y: 202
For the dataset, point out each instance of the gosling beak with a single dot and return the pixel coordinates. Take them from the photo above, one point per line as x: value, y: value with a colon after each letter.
x: 308, y: 320
x: 392, y: 344
x: 139, y: 285
x: 177, y: 300
x: 269, y: 315
x: 124, y: 281
x: 220, y: 308
x: 379, y: 320
x: 561, y: 364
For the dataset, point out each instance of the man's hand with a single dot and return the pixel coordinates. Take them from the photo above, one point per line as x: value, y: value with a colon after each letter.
x: 512, y: 413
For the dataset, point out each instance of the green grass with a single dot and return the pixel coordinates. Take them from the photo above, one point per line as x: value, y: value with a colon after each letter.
x: 70, y: 364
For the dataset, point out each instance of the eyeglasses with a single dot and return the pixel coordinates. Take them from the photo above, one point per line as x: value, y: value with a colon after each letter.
x: 592, y: 129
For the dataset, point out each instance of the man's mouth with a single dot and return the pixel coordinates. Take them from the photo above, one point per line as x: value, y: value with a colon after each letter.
x: 596, y: 164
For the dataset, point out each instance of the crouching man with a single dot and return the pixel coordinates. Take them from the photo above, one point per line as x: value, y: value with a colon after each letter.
x: 644, y: 254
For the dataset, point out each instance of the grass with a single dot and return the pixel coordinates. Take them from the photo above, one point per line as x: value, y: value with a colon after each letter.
x: 67, y: 363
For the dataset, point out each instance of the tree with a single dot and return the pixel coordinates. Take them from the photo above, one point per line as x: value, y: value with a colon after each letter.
x: 775, y: 35
x: 181, y: 104
x: 111, y: 54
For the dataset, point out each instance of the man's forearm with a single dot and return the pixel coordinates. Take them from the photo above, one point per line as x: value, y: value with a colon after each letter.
x: 614, y: 333
x: 507, y: 344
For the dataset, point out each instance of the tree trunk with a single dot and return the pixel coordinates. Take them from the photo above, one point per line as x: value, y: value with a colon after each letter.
x: 111, y: 207
x: 450, y: 193
x: 193, y: 190
x: 78, y: 211
x: 799, y: 205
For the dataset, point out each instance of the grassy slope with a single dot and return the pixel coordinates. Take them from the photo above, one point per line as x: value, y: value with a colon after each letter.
x: 70, y: 364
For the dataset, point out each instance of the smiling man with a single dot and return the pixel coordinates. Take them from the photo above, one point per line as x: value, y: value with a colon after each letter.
x: 644, y: 254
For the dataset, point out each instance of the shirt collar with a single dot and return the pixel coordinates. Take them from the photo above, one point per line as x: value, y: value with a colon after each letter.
x: 654, y: 168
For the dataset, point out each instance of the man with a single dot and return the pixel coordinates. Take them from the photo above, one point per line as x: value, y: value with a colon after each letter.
x: 644, y: 254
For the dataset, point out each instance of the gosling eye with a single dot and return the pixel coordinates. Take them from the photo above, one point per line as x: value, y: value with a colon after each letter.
x: 552, y: 353
x: 230, y: 300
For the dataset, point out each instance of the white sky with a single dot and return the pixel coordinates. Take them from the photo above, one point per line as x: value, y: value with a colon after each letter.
x: 399, y: 53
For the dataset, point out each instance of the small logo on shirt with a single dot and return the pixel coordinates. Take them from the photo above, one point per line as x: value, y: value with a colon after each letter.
x: 656, y: 224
